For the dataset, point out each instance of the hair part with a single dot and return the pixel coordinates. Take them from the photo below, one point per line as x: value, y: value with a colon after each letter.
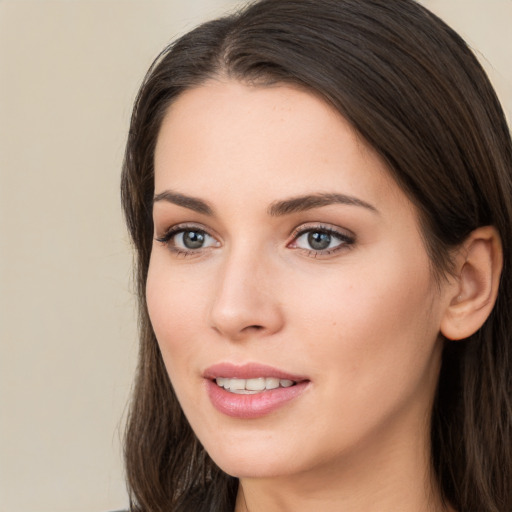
x: 415, y: 92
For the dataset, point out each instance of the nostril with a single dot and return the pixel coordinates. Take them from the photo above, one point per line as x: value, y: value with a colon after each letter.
x: 255, y: 327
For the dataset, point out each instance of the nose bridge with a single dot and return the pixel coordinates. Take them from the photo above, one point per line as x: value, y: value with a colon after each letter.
x: 246, y: 296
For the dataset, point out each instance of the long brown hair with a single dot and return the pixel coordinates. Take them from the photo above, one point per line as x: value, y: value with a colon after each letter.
x: 416, y: 93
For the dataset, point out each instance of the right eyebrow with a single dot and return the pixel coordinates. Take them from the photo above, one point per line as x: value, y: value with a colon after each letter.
x: 192, y: 203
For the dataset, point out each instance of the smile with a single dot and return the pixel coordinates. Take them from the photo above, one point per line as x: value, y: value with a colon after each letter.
x: 252, y: 390
x: 252, y: 386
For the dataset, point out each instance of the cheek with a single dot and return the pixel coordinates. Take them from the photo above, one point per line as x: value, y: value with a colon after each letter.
x: 175, y: 306
x: 373, y: 326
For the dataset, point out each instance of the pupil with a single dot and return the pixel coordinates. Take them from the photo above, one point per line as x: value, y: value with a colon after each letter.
x: 193, y: 239
x: 319, y: 241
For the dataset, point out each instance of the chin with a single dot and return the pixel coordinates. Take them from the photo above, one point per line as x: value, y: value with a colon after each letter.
x: 242, y: 468
x: 251, y: 460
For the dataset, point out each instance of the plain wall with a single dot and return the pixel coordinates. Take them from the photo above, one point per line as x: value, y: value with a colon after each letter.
x: 69, y: 71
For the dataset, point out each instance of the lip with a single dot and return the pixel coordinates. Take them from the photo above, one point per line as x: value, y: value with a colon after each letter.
x: 254, y: 405
x: 248, y: 371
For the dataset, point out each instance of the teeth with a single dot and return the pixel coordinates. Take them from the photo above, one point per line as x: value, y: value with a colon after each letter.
x: 221, y: 381
x: 236, y: 384
x: 255, y: 384
x: 252, y: 386
x: 271, y: 383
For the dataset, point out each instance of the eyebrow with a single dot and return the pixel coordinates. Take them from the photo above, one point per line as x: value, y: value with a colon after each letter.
x: 310, y: 201
x: 276, y: 209
x: 192, y: 203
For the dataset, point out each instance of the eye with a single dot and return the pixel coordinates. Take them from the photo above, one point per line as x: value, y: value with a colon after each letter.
x: 192, y: 239
x: 321, y: 240
x: 186, y: 240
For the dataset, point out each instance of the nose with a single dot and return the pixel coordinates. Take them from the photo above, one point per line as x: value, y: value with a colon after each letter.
x: 246, y: 302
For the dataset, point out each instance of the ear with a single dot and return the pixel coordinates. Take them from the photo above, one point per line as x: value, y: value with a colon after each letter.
x: 478, y: 269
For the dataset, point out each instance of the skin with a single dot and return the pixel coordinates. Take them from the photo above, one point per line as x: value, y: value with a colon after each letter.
x: 361, y: 322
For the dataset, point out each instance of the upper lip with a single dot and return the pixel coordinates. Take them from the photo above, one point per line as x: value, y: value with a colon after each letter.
x: 248, y: 371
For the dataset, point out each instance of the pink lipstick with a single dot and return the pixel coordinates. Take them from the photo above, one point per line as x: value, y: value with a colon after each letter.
x: 251, y: 390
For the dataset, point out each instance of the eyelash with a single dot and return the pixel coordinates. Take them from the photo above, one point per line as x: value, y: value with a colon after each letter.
x: 346, y: 240
x: 167, y: 239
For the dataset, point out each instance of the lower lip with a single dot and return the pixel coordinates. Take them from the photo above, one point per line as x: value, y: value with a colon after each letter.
x: 252, y: 406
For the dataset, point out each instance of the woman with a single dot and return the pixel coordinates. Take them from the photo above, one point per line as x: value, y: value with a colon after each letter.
x: 319, y: 193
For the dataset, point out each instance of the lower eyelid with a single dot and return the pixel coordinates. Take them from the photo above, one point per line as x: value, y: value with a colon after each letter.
x: 168, y: 240
x: 345, y: 240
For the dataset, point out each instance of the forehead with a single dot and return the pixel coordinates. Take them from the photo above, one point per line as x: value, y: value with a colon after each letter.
x: 228, y: 135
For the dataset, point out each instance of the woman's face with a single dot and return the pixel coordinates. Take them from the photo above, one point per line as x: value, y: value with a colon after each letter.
x: 289, y: 267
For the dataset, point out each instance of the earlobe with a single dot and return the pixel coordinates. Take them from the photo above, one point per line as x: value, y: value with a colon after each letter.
x: 478, y: 268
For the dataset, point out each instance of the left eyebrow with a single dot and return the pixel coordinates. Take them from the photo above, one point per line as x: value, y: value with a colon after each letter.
x: 310, y: 201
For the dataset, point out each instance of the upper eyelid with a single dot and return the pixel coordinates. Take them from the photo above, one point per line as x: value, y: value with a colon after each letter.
x: 321, y: 226
x: 185, y: 226
x: 174, y: 230
x: 296, y: 232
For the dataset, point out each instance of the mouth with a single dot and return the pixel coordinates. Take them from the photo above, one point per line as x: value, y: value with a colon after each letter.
x: 252, y: 386
x: 251, y: 390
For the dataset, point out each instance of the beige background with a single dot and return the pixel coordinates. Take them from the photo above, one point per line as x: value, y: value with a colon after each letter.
x: 69, y: 71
